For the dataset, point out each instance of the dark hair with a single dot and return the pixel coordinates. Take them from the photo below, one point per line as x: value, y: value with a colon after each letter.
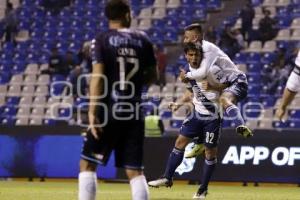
x: 190, y: 46
x: 117, y: 9
x: 194, y: 27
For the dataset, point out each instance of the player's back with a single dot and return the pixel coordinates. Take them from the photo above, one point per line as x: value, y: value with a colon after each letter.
x: 126, y: 54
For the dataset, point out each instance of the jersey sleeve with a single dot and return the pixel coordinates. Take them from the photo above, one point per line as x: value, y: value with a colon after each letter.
x: 96, y: 51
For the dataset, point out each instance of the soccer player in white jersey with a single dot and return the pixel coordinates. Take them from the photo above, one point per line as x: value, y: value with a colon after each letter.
x: 291, y: 89
x: 203, y: 122
x: 237, y: 86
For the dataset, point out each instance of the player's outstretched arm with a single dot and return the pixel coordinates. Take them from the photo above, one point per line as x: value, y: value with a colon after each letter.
x: 187, y: 97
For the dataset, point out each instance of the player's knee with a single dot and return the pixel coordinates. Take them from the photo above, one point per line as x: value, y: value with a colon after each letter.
x: 85, y: 165
x: 210, y: 153
x: 131, y: 173
x: 181, y: 142
x: 226, y: 101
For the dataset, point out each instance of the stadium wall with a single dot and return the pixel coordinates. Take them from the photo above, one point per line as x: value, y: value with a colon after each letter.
x: 270, y: 156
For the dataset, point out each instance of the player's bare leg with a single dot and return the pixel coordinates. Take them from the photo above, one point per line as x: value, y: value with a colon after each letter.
x: 175, y: 158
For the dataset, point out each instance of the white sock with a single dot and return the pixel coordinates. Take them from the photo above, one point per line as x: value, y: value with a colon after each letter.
x: 139, y: 188
x: 87, y: 183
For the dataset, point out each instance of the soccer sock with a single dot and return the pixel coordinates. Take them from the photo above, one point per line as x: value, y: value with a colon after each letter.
x: 139, y: 188
x: 208, y: 169
x: 174, y: 161
x: 235, y: 114
x: 87, y: 185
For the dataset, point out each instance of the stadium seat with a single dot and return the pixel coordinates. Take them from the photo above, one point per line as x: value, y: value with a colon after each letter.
x: 279, y: 124
x: 253, y: 58
x: 12, y: 101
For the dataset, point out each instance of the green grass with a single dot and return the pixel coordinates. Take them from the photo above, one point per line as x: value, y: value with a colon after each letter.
x: 22, y: 190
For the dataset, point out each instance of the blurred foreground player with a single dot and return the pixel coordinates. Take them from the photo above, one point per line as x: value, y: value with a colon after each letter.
x: 123, y: 60
x: 291, y: 89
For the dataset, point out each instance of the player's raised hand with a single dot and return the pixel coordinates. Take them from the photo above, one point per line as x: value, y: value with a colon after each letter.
x: 182, y: 76
x: 173, y: 106
x: 280, y: 112
x: 93, y: 122
x: 205, y: 85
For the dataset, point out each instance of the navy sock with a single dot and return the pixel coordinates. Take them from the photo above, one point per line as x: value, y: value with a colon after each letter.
x: 235, y: 114
x: 175, y: 158
x: 208, y: 169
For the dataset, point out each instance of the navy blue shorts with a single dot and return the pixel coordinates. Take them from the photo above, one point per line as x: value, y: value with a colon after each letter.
x: 239, y: 88
x: 126, y: 138
x: 204, y: 127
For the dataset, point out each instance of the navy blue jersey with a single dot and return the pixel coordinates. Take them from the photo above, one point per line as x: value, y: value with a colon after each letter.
x: 126, y: 55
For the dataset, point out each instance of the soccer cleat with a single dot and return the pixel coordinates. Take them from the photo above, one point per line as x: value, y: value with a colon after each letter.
x: 197, y: 150
x: 200, y: 195
x: 244, y: 131
x: 161, y: 182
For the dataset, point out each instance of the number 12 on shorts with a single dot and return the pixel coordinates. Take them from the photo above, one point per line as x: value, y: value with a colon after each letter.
x: 209, y: 137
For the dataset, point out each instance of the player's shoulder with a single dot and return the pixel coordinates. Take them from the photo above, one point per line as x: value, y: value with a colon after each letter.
x: 297, y: 61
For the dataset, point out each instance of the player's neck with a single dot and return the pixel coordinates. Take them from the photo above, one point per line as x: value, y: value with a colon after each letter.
x: 115, y: 24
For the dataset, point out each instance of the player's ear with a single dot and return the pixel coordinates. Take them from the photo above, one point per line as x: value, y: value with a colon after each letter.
x: 128, y: 19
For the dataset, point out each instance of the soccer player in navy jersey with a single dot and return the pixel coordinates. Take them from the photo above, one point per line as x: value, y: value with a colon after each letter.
x: 123, y: 60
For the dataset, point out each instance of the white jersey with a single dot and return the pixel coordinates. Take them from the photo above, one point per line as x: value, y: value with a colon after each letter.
x: 221, y: 66
x: 293, y: 83
x: 211, y: 95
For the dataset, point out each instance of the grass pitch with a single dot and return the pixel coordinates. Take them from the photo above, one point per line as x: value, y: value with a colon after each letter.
x: 67, y: 190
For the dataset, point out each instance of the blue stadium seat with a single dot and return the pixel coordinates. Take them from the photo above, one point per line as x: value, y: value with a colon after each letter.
x: 279, y: 124
x: 12, y: 101
x: 214, y: 4
x: 284, y: 22
x: 240, y: 58
x: 254, y: 78
x: 58, y: 77
x: 199, y: 14
x: 186, y: 2
x: 253, y: 58
x: 268, y: 58
x: 172, y: 12
x: 8, y: 121
x: 4, y: 78
x: 65, y: 112
x: 294, y: 113
x: 81, y: 103
x: 50, y: 122
x: 18, y: 68
x: 170, y: 22
x: 294, y: 124
x: 158, y: 23
x: 254, y: 89
x: 9, y: 111
x: 252, y: 110
x: 183, y: 22
x: 268, y: 101
x: 254, y: 68
x: 226, y: 123
x: 170, y: 35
